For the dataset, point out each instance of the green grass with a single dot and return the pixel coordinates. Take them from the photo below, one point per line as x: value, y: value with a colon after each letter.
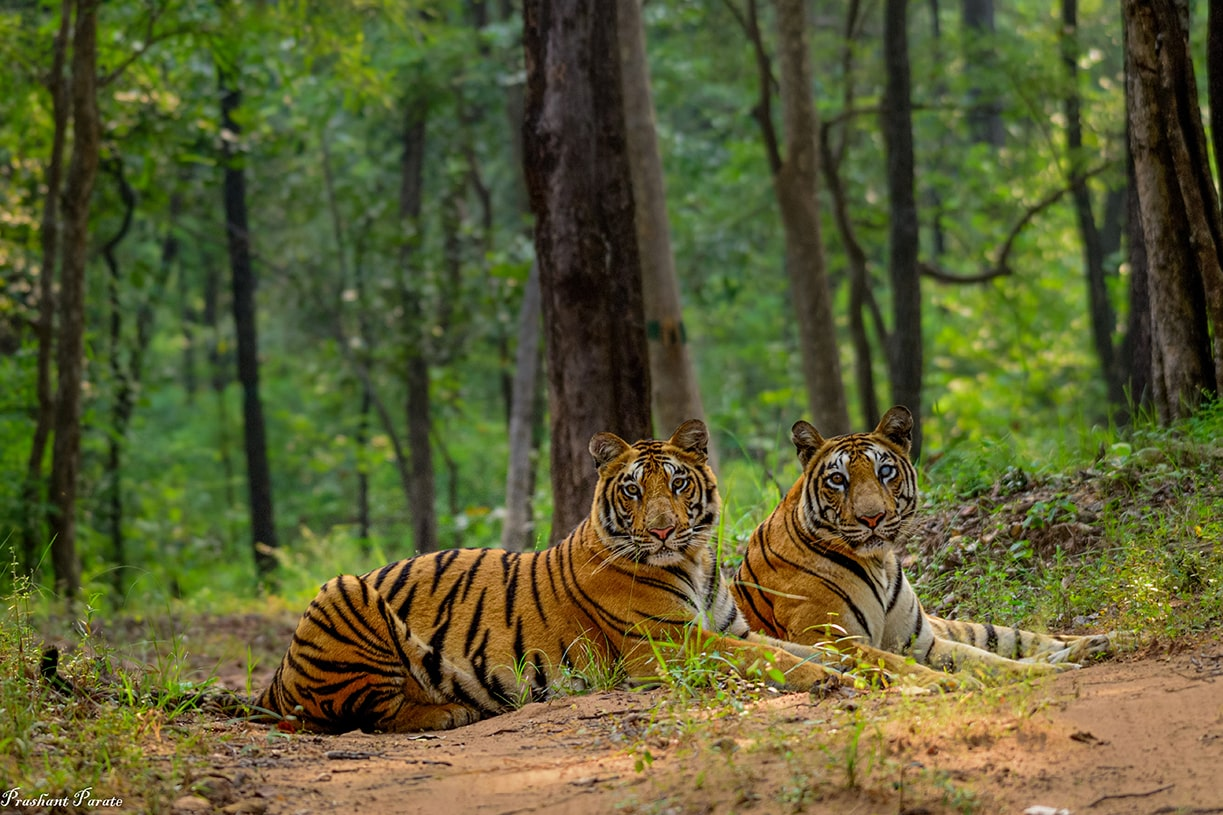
x: 1154, y: 562
x: 121, y: 734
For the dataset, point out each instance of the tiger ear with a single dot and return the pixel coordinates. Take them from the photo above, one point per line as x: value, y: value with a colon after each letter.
x: 692, y: 437
x: 897, y: 427
x: 807, y: 440
x: 606, y: 447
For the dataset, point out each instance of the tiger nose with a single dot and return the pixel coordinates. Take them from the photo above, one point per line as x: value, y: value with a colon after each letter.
x: 662, y: 533
x: 871, y: 520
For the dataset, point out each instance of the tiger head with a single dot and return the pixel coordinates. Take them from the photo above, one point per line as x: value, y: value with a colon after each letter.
x: 655, y: 500
x: 861, y: 488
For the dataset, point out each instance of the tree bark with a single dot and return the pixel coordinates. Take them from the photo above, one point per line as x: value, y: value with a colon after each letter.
x: 82, y: 171
x: 905, y: 352
x: 590, y: 273
x: 237, y: 230
x: 676, y: 395
x: 1179, y: 208
x: 526, y: 393
x: 422, y: 488
x: 796, y: 180
x: 32, y: 532
x: 1103, y: 318
x: 1136, y: 348
x: 516, y: 532
x: 123, y: 381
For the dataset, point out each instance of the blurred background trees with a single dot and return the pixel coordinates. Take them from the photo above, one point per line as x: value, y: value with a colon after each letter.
x: 859, y: 204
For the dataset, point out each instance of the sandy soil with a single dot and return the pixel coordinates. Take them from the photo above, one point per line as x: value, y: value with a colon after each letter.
x: 1140, y: 735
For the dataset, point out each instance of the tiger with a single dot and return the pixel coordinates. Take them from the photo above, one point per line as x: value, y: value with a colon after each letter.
x: 823, y: 567
x: 445, y: 639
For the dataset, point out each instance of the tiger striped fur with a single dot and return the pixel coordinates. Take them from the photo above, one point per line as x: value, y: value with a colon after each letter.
x: 823, y: 566
x: 445, y: 639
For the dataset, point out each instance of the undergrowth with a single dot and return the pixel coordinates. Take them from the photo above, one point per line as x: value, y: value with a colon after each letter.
x: 115, y: 741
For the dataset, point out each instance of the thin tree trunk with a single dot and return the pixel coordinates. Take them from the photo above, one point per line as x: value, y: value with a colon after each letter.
x: 121, y: 410
x: 984, y: 115
x: 1103, y: 318
x: 422, y: 490
x: 795, y: 180
x: 1179, y: 208
x: 1214, y: 81
x: 32, y: 531
x: 1136, y: 348
x: 589, y: 269
x: 676, y: 395
x: 516, y: 533
x: 526, y: 394
x: 82, y: 171
x: 237, y: 229
x: 905, y: 353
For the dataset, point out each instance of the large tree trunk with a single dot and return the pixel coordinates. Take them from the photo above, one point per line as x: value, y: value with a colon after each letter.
x: 676, y: 395
x: 237, y: 230
x: 590, y: 274
x: 1103, y: 318
x: 422, y: 489
x: 32, y: 532
x: 82, y: 171
x: 905, y: 353
x: 1178, y: 205
x: 795, y: 181
x: 516, y: 533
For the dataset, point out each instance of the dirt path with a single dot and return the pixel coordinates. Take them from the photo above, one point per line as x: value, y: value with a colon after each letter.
x: 1139, y: 736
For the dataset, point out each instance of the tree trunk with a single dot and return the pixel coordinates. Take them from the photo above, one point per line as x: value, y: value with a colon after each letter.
x: 590, y: 274
x: 796, y: 180
x: 237, y: 230
x: 1103, y: 318
x: 422, y: 488
x: 516, y: 533
x: 526, y: 394
x: 1136, y: 348
x: 905, y: 353
x: 32, y: 531
x: 1178, y: 205
x: 121, y: 409
x: 984, y: 114
x: 1214, y: 82
x: 82, y: 171
x: 676, y: 395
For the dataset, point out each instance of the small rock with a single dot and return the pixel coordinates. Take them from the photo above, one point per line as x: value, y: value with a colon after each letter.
x: 251, y: 806
x: 189, y: 804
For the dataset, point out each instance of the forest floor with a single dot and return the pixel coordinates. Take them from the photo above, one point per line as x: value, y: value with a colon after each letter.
x: 1142, y: 733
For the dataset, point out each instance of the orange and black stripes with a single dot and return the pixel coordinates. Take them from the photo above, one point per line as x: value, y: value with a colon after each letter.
x: 444, y: 639
x: 824, y: 566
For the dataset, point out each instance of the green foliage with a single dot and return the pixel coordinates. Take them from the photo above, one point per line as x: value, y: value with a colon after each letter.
x: 1157, y: 565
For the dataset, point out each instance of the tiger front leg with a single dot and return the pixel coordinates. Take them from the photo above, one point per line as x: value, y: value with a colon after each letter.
x: 970, y: 661
x: 803, y: 667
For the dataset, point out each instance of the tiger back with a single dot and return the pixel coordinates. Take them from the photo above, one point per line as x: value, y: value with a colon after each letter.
x: 824, y: 567
x: 445, y: 639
